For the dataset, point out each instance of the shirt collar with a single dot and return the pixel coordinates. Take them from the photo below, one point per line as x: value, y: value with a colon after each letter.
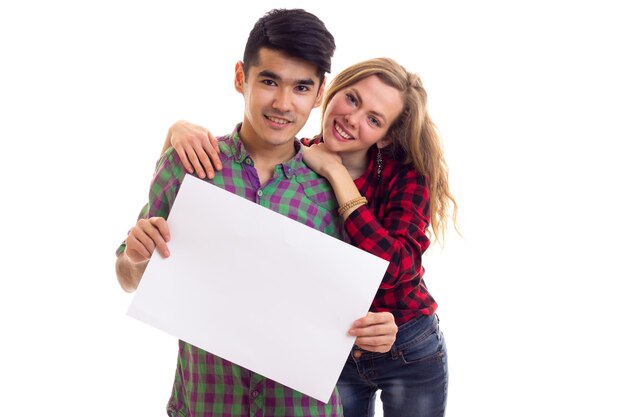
x: 294, y: 165
x: 232, y: 146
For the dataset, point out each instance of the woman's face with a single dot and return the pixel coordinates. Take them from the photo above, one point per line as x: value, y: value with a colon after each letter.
x: 360, y: 115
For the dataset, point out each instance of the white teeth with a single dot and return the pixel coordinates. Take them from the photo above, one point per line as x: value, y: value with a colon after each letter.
x: 342, y: 132
x: 279, y: 121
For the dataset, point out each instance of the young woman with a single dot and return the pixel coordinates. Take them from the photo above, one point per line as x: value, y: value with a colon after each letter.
x: 382, y: 155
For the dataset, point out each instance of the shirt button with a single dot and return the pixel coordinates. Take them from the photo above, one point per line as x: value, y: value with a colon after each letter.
x: 357, y: 354
x: 248, y: 161
x: 255, y: 394
x: 259, y: 193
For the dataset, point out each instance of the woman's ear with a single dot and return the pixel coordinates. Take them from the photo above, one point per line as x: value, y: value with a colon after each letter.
x: 383, y: 142
x: 320, y: 94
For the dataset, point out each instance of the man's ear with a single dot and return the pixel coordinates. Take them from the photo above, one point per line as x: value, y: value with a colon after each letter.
x: 239, y: 76
x: 385, y: 141
x: 320, y: 94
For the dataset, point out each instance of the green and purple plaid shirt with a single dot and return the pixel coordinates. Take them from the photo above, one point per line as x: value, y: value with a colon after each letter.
x: 205, y: 384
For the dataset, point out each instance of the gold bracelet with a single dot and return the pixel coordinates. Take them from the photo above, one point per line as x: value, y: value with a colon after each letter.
x: 359, y: 201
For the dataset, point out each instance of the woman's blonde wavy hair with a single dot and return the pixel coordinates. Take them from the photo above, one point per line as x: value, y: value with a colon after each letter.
x: 414, y: 136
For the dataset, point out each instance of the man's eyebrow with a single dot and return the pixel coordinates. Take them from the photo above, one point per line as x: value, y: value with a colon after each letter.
x: 306, y: 81
x: 274, y: 76
x: 270, y: 74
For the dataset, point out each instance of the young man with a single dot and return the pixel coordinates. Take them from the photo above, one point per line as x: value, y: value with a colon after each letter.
x: 282, y: 79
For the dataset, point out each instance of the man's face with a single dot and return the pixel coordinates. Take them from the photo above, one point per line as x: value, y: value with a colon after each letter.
x: 279, y: 92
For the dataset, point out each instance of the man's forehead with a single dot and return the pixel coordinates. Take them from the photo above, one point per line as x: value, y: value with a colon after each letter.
x: 279, y: 66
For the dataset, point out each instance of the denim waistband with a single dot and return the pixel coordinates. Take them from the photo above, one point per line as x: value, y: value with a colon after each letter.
x: 407, y: 333
x: 409, y: 330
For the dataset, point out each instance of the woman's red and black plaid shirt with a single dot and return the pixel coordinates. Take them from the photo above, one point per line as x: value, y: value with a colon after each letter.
x: 393, y: 226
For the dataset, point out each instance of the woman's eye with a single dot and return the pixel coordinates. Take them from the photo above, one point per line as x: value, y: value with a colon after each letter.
x: 375, y: 121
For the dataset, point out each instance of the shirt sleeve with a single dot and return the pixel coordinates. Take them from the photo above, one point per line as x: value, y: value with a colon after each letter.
x: 165, y: 184
x: 400, y: 236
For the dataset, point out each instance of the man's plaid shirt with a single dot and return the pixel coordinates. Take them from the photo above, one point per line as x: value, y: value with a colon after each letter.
x: 207, y: 385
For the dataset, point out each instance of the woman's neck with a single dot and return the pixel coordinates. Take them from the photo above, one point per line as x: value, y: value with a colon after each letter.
x: 355, y: 163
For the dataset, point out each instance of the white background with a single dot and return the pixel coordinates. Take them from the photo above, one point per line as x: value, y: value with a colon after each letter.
x: 530, y: 101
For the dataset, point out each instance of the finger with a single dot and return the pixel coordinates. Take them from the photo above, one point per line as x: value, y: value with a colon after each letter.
x: 158, y: 239
x: 203, y: 151
x: 375, y: 330
x: 376, y: 340
x: 135, y: 249
x: 213, y: 141
x: 140, y: 233
x: 180, y: 150
x: 193, y: 157
x: 140, y: 245
x: 213, y: 152
x: 372, y: 348
x: 161, y: 224
x: 375, y: 344
x: 367, y: 347
x: 374, y: 318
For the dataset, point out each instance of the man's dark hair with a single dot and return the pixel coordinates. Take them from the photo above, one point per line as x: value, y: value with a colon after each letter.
x: 295, y: 32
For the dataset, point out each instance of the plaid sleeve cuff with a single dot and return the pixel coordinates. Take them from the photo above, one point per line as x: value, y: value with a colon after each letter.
x: 120, y: 250
x: 367, y: 233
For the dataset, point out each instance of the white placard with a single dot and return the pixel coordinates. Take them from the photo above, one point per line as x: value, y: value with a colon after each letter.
x: 258, y: 288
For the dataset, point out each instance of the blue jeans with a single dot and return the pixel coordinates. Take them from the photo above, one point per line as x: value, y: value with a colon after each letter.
x: 412, y: 376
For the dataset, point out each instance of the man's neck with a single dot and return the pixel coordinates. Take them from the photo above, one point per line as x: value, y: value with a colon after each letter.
x: 266, y: 157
